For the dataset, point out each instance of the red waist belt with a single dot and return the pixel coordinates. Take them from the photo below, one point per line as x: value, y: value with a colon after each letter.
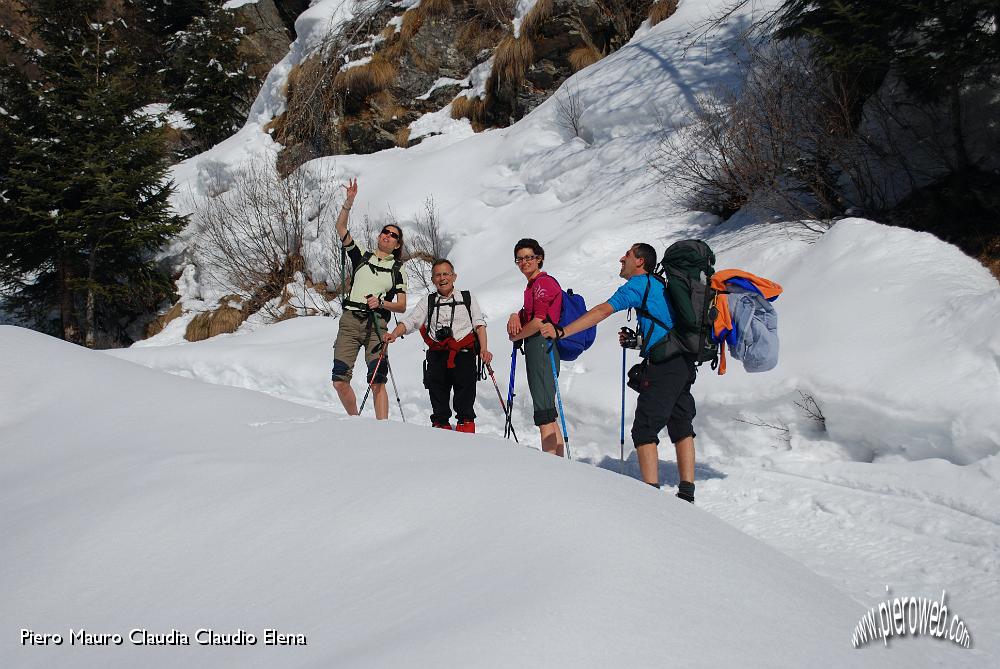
x: 452, y: 345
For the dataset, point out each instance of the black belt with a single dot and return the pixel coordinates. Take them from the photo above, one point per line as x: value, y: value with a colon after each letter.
x: 366, y: 313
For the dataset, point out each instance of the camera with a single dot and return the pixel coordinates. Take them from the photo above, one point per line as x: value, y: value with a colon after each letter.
x: 442, y: 333
x: 630, y: 338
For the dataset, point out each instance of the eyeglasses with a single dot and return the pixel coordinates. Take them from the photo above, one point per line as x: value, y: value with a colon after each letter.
x: 441, y: 275
x: 523, y: 259
x: 387, y: 231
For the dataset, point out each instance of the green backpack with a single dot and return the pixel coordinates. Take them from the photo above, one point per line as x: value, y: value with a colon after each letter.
x: 687, y: 268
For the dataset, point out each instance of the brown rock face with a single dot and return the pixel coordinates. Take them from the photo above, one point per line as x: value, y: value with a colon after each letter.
x: 266, y: 36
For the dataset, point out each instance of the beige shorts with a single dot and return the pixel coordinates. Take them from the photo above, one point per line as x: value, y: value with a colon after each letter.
x: 354, y: 333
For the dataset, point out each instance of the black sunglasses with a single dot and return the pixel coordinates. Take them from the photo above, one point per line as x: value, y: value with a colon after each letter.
x: 387, y: 231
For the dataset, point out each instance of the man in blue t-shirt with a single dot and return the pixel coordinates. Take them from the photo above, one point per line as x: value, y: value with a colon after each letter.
x: 665, y: 387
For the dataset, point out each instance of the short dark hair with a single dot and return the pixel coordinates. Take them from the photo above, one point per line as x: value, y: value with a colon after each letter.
x: 536, y: 248
x: 645, y: 253
x: 442, y: 261
x: 398, y: 251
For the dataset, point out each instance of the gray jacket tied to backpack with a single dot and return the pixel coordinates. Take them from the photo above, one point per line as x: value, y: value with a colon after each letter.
x: 757, y: 342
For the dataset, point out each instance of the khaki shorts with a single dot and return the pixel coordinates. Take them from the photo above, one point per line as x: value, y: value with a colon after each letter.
x: 354, y: 333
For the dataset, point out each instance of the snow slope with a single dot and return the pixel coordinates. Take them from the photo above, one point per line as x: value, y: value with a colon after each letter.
x: 162, y: 503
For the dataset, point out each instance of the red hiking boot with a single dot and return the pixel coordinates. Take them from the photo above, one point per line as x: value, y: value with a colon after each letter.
x: 466, y: 426
x: 443, y: 426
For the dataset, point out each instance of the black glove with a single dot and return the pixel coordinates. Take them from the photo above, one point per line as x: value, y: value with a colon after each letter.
x: 629, y: 338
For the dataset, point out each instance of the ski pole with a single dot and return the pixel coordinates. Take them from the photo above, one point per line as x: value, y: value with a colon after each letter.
x: 502, y: 405
x: 555, y: 378
x: 508, y: 428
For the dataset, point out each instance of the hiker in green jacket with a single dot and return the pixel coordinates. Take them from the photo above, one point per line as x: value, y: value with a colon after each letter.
x: 378, y: 288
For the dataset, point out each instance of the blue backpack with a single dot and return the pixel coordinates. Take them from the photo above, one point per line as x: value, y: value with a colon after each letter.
x: 574, y: 306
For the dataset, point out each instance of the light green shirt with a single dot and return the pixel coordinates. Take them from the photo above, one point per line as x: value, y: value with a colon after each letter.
x: 370, y: 281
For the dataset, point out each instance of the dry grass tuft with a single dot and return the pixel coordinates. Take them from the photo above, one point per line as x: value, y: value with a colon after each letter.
x: 207, y: 324
x: 533, y: 19
x: 386, y: 107
x: 584, y: 56
x: 157, y: 325
x: 661, y: 9
x: 363, y: 80
x: 412, y: 20
x: 435, y: 7
x: 511, y: 60
x: 472, y: 38
x: 403, y: 137
x: 473, y: 109
x: 388, y: 33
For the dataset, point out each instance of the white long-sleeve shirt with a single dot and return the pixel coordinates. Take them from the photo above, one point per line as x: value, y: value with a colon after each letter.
x: 448, y: 311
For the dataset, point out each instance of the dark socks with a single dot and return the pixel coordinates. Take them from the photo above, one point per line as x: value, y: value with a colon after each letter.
x: 685, y: 490
x: 655, y: 485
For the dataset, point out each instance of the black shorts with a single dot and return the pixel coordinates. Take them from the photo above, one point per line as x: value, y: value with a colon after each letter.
x: 665, y: 400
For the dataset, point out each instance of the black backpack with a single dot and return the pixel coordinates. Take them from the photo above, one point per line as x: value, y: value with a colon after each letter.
x: 432, y: 304
x: 397, y: 279
x: 685, y: 273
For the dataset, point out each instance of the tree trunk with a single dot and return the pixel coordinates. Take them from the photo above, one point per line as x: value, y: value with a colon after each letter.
x: 90, y: 338
x: 958, y: 137
x: 66, y: 312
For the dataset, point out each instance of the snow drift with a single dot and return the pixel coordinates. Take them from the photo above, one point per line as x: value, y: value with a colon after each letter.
x: 162, y: 503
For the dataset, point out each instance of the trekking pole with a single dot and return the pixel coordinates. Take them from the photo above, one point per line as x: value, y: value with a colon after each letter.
x: 562, y: 416
x: 508, y: 428
x: 392, y: 376
x: 502, y: 405
x: 372, y: 382
x: 621, y: 452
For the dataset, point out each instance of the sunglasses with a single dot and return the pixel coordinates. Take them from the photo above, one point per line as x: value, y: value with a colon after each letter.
x: 523, y: 259
x: 387, y: 231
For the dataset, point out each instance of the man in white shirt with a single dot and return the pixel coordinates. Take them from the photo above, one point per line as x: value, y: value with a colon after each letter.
x: 454, y: 330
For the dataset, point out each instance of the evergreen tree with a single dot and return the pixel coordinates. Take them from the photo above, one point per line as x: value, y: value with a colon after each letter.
x: 208, y: 81
x: 84, y: 182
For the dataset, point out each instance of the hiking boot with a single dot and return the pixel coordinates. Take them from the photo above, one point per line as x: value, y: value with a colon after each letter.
x: 443, y: 426
x: 685, y: 491
x: 466, y: 426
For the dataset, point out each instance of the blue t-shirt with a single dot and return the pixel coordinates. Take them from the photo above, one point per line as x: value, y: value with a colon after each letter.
x: 630, y: 295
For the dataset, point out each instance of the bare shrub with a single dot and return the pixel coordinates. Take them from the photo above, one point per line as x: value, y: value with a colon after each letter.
x: 782, y: 433
x: 807, y: 403
x: 780, y: 142
x: 569, y: 110
x: 255, y: 233
x: 425, y: 243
